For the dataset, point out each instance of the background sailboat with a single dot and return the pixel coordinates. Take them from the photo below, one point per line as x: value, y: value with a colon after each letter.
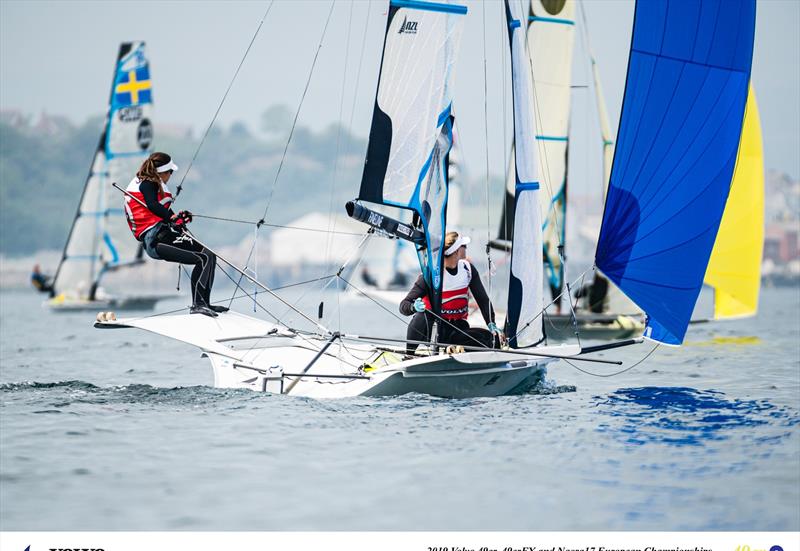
x: 734, y: 270
x: 99, y: 240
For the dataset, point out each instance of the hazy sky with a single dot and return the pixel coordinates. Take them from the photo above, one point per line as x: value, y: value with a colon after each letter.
x: 58, y: 57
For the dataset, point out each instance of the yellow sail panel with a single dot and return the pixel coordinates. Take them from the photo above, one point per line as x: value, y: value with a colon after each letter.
x: 734, y: 270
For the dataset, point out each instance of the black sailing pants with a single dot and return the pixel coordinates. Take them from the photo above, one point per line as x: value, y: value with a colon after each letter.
x: 181, y: 248
x: 452, y: 332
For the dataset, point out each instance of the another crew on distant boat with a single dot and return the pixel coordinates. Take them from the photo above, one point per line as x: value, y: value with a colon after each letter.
x: 41, y: 282
x: 460, y: 278
x: 161, y: 230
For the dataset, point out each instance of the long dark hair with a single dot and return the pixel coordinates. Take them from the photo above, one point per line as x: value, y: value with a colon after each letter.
x: 148, y: 170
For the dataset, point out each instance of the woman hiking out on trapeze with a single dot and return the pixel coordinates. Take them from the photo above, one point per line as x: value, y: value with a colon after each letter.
x: 152, y: 221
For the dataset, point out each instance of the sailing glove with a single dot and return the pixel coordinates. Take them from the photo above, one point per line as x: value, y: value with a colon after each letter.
x: 419, y: 305
x: 494, y: 329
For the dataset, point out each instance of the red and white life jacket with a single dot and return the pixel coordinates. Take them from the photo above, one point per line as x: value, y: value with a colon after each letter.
x: 455, y: 293
x: 140, y: 218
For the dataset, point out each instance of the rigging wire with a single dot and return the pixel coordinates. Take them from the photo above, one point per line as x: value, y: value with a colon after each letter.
x: 297, y: 113
x: 620, y: 372
x: 224, y: 97
x: 486, y: 137
x: 541, y: 313
x: 299, y: 228
x: 331, y: 217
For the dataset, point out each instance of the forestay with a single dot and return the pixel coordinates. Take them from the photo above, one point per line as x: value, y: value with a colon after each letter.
x: 412, y: 122
x: 99, y: 239
x: 525, y: 292
x: 685, y: 94
x: 734, y: 270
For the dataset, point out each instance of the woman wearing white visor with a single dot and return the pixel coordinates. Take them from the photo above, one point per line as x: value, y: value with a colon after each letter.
x: 152, y: 221
x: 460, y: 279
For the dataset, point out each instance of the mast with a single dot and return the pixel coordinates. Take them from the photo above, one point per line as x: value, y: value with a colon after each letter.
x: 412, y: 130
x: 99, y: 239
x: 525, y: 294
x: 682, y: 113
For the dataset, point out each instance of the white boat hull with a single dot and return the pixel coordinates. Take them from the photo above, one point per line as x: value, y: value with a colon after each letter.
x: 62, y: 304
x: 249, y: 353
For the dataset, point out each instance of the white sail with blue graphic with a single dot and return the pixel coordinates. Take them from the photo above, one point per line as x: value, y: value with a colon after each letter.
x: 99, y: 240
x: 677, y: 144
x: 412, y: 128
x: 525, y: 292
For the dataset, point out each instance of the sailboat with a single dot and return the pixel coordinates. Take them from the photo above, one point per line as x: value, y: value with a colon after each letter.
x: 681, y: 119
x: 99, y: 240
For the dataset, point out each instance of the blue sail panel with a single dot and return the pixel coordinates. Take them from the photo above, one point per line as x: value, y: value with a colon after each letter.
x: 678, y: 138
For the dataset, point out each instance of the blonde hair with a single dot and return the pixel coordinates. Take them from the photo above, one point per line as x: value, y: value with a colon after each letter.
x: 148, y: 170
x: 450, y: 238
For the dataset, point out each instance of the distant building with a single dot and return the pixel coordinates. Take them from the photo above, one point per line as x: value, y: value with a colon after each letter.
x: 781, y: 242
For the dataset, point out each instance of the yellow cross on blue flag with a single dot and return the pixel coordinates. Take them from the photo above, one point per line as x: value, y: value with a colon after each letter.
x: 133, y: 87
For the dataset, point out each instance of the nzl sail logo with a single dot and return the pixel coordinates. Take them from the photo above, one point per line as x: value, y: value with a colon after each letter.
x: 408, y: 27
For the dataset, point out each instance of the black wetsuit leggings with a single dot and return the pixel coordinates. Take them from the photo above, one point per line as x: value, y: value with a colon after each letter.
x: 185, y: 250
x: 419, y: 329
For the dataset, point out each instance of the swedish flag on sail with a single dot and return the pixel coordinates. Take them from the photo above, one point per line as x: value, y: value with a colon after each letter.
x: 133, y: 87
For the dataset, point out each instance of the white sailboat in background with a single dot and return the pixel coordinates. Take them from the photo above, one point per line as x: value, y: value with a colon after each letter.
x: 99, y: 241
x: 679, y: 132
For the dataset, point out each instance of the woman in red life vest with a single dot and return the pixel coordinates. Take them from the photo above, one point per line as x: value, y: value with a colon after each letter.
x: 152, y: 221
x: 460, y: 278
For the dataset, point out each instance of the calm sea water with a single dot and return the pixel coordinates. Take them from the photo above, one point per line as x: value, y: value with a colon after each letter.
x: 121, y: 430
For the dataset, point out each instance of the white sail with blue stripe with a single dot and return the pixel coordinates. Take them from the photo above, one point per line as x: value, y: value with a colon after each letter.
x: 551, y: 32
x: 678, y: 138
x: 525, y: 293
x: 99, y: 240
x: 412, y: 127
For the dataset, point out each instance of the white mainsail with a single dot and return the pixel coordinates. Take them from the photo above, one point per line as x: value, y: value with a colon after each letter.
x: 100, y: 240
x: 525, y: 292
x: 551, y: 31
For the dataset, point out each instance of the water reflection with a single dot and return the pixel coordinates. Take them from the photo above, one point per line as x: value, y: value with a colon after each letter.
x: 684, y: 416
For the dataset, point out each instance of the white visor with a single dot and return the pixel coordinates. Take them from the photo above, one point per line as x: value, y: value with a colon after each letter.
x: 461, y: 240
x: 169, y: 166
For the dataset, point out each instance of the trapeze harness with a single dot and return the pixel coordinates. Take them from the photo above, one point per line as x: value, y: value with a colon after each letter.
x: 455, y: 310
x: 455, y: 293
x: 151, y: 225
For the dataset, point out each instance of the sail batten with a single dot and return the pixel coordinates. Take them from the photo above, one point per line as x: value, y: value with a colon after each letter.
x: 679, y: 131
